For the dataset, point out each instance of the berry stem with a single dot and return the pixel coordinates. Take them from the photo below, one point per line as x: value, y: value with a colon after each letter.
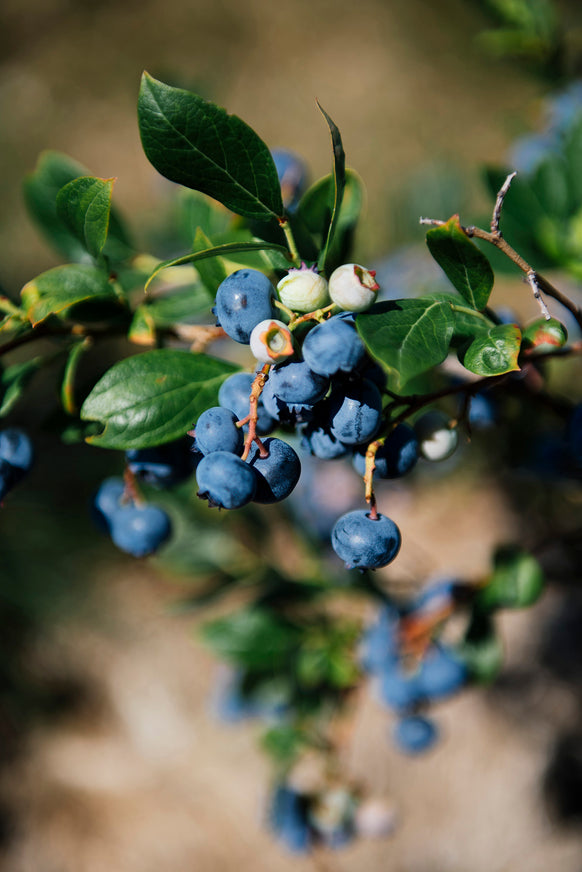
x: 132, y: 492
x: 316, y: 315
x: 369, y: 475
x: 253, y: 416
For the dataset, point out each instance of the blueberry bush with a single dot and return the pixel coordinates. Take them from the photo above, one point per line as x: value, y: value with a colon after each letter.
x: 262, y: 352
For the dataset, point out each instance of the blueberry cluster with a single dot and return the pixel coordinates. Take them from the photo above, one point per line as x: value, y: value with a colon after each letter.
x: 317, y: 379
x: 301, y: 821
x: 136, y: 528
x: 409, y: 678
x: 16, y: 458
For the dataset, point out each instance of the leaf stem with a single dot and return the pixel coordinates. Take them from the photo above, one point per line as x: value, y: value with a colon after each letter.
x: 286, y: 228
x: 466, y: 310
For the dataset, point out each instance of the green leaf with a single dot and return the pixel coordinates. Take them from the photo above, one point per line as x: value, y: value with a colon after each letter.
x: 493, y: 352
x: 407, y: 336
x: 68, y: 384
x: 253, y: 638
x: 195, y: 210
x: 154, y: 397
x: 41, y: 187
x: 197, y: 144
x: 339, y: 180
x: 55, y: 291
x: 517, y: 581
x: 14, y: 381
x: 545, y: 334
x: 215, y: 251
x: 283, y: 743
x: 315, y: 210
x: 481, y: 649
x: 463, y: 263
x: 84, y: 206
x: 469, y: 323
x: 211, y: 270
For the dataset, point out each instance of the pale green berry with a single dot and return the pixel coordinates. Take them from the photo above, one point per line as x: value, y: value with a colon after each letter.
x: 303, y: 290
x: 271, y: 341
x: 437, y: 440
x: 353, y: 287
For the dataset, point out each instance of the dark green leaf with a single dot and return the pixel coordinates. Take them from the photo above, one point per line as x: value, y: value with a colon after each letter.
x: 408, y: 336
x: 339, y: 182
x: 211, y: 270
x: 468, y: 323
x: 154, y: 397
x: 55, y: 291
x: 197, y: 144
x: 493, y: 352
x: 14, y: 380
x: 463, y: 263
x: 315, y: 211
x: 197, y: 210
x: 215, y: 251
x: 481, y: 649
x: 517, y: 581
x: 283, y: 743
x: 253, y: 638
x: 53, y: 171
x: 84, y: 205
x: 68, y: 382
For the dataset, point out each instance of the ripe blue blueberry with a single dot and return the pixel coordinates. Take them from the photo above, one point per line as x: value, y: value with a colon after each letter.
x: 365, y: 543
x: 288, y: 819
x: 332, y: 347
x: 225, y: 480
x: 244, y: 299
x: 296, y: 382
x: 355, y: 411
x: 379, y: 643
x: 285, y: 413
x: 293, y: 176
x: 321, y: 443
x: 234, y: 395
x: 107, y: 502
x: 415, y: 734
x: 140, y: 530
x: 442, y: 673
x: 399, y: 690
x: 278, y: 473
x: 396, y: 457
x: 16, y: 448
x: 163, y: 465
x: 216, y: 430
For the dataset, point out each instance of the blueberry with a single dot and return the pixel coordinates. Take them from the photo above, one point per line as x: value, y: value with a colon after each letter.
x: 399, y: 690
x: 293, y: 176
x: 288, y: 818
x: 163, y: 465
x: 234, y: 394
x: 332, y: 347
x: 107, y: 502
x: 296, y: 382
x: 285, y: 413
x: 415, y: 734
x: 225, y: 480
x: 482, y: 412
x: 355, y: 412
x: 216, y: 430
x: 321, y: 443
x: 379, y: 643
x: 243, y: 299
x: 396, y: 457
x: 278, y: 473
x: 365, y: 543
x: 442, y: 673
x: 140, y: 530
x: 16, y: 448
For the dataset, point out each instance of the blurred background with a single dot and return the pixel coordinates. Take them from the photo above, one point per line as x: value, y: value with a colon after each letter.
x: 109, y: 755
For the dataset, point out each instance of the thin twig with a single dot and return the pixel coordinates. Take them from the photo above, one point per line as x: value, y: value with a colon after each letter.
x: 499, y: 203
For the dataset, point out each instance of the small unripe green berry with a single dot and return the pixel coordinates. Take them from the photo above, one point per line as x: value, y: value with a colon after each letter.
x: 303, y: 290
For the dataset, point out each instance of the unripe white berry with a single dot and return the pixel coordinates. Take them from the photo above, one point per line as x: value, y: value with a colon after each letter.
x: 436, y: 439
x: 353, y: 287
x: 271, y: 341
x: 303, y: 290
